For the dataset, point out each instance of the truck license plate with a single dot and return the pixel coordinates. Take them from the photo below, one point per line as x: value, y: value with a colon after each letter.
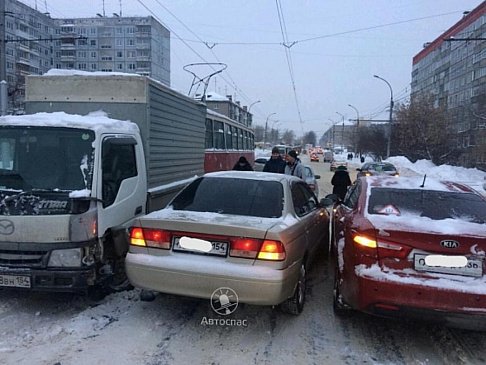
x: 15, y: 281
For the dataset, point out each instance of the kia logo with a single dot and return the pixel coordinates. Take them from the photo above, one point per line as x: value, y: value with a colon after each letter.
x: 449, y: 244
x: 6, y: 227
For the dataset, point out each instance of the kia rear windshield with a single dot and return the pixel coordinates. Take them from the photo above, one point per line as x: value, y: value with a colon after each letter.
x: 436, y: 205
x: 257, y: 198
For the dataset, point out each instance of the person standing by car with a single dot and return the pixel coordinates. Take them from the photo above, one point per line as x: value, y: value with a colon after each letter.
x: 276, y: 163
x: 294, y: 167
x: 242, y: 165
x: 340, y: 182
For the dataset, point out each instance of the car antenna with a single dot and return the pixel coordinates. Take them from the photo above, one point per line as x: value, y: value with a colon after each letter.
x: 423, y: 182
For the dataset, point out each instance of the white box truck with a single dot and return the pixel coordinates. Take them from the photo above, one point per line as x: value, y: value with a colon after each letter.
x: 71, y: 184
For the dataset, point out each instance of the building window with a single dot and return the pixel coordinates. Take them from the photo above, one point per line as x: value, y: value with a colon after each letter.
x: 93, y: 66
x: 92, y: 42
x: 130, y: 42
x: 94, y: 55
x: 131, y: 66
x: 82, y: 66
x: 119, y: 66
x: 119, y: 54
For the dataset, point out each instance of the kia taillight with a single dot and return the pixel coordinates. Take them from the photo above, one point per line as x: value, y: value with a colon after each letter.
x: 252, y: 248
x: 364, y: 241
x: 392, y: 250
x: 157, y: 238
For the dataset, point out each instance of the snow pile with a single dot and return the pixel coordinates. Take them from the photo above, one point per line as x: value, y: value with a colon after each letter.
x: 469, y: 176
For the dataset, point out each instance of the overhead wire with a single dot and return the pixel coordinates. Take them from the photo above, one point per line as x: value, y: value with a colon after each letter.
x: 231, y: 82
x: 288, y: 55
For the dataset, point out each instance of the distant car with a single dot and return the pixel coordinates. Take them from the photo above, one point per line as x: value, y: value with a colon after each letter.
x: 314, y: 157
x: 260, y: 163
x: 411, y: 247
x: 377, y: 168
x: 311, y: 179
x: 336, y: 163
x: 253, y: 232
x: 327, y: 156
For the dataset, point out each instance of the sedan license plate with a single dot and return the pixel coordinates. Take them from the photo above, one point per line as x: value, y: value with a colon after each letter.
x: 15, y: 281
x: 215, y: 247
x: 474, y: 267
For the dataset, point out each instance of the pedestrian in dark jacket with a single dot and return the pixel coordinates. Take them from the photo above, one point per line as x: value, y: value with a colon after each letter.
x: 242, y: 165
x: 276, y: 163
x: 340, y: 182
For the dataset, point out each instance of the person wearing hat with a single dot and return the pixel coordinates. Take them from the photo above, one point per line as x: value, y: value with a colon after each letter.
x: 340, y: 182
x: 276, y: 163
x: 294, y: 167
x: 242, y: 165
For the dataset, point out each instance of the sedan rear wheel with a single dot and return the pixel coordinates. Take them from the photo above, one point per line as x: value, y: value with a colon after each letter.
x: 295, y: 304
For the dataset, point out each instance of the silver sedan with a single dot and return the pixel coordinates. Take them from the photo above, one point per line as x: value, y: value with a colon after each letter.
x: 253, y: 232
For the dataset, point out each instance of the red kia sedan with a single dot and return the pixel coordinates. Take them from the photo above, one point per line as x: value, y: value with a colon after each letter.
x: 411, y: 247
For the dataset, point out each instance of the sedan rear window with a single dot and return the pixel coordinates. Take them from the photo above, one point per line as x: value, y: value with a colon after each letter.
x: 427, y: 203
x: 257, y: 198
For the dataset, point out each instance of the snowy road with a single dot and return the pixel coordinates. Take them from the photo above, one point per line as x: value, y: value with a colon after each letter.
x: 63, y: 329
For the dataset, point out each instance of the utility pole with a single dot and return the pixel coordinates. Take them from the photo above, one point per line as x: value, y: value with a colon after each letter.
x: 391, y: 116
x: 342, y: 131
x: 265, y: 131
x: 3, y: 51
x: 356, y: 131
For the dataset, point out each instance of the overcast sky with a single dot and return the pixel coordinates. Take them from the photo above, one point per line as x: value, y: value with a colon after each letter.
x: 339, y: 46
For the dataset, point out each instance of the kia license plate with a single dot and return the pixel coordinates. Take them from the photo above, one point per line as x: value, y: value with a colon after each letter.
x: 474, y: 267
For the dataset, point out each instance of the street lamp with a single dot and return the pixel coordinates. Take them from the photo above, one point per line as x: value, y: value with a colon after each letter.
x: 356, y: 131
x: 248, y: 112
x: 391, y: 115
x: 274, y: 133
x: 342, y: 131
x: 333, y: 125
x: 265, y: 131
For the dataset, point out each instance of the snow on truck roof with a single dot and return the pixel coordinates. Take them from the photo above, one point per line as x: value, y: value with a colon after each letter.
x: 94, y: 121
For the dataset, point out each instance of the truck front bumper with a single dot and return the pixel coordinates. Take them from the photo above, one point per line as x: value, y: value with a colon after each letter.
x: 58, y: 280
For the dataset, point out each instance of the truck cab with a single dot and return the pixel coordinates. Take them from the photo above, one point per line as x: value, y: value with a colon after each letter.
x: 69, y: 187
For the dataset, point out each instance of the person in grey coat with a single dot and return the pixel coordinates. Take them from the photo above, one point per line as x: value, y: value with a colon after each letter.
x: 294, y: 166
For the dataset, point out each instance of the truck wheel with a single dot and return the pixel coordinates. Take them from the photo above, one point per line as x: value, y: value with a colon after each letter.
x: 295, y: 304
x: 119, y: 281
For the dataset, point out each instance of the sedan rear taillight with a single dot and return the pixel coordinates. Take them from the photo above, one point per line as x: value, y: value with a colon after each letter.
x: 252, y: 248
x: 146, y: 237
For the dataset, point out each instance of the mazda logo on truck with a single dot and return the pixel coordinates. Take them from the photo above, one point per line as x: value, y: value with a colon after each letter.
x: 449, y: 244
x: 6, y: 227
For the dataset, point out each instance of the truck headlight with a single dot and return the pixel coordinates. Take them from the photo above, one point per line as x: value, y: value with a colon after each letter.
x: 65, y: 258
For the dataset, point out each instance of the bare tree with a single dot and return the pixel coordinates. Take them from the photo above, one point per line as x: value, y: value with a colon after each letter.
x: 421, y: 130
x: 288, y: 137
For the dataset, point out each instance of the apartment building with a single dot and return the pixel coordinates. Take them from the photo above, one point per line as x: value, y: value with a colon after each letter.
x: 453, y: 69
x: 27, y: 47
x: 114, y: 44
x: 34, y: 43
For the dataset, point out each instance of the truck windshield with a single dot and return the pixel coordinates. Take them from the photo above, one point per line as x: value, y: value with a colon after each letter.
x: 45, y: 158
